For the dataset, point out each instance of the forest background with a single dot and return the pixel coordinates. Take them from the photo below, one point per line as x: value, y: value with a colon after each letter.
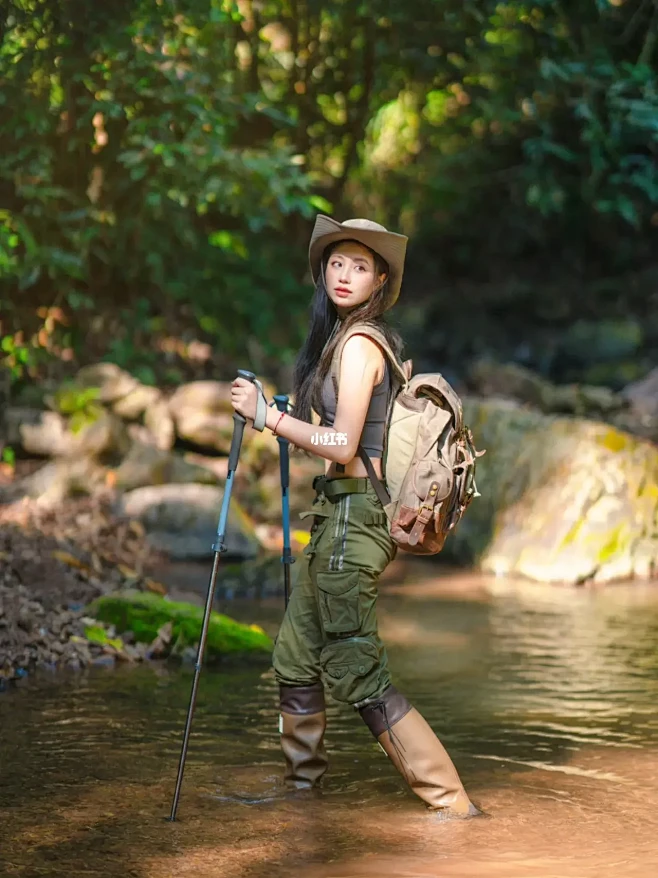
x: 161, y: 165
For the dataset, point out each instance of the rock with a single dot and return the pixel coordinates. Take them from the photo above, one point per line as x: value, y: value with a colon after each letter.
x: 59, y: 479
x: 509, y: 380
x: 105, y: 438
x: 512, y: 381
x: 147, y: 465
x: 181, y: 520
x: 212, y: 430
x: 563, y: 499
x: 584, y: 400
x: 643, y: 396
x: 146, y: 615
x: 104, y: 661
x: 217, y: 465
x: 41, y: 433
x: 202, y: 414
x: 262, y: 493
x: 132, y: 406
x: 209, y: 396
x: 113, y: 382
x: 160, y: 423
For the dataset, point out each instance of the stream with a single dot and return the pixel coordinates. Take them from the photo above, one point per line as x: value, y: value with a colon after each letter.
x: 546, y: 697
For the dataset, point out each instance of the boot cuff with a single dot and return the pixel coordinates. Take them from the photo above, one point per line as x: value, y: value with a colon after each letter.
x: 387, y: 710
x: 301, y: 699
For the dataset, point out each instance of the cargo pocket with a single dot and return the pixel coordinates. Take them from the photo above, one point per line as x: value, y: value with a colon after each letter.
x: 350, y: 669
x: 338, y: 597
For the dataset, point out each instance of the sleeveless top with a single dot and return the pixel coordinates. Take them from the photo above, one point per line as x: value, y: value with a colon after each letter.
x: 372, y: 437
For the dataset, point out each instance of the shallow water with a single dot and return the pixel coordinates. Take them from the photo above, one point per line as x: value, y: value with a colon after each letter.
x: 545, y: 697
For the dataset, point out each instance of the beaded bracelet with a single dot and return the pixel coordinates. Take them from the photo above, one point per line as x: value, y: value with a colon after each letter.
x: 276, y: 427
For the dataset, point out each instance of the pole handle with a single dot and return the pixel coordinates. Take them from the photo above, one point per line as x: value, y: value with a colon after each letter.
x: 281, y: 401
x: 238, y: 428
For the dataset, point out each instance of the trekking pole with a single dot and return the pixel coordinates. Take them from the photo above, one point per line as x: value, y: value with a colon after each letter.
x: 286, y: 558
x: 218, y: 547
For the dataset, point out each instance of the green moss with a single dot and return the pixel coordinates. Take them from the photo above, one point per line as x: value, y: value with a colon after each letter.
x: 613, y: 545
x: 96, y: 634
x: 614, y: 440
x: 145, y: 613
x: 70, y: 399
x: 85, y: 418
x: 573, y: 534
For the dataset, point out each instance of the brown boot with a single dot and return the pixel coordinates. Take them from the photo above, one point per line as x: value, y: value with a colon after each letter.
x: 417, y: 753
x: 303, y: 723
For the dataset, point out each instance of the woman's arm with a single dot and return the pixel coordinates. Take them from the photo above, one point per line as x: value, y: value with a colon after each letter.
x: 360, y: 363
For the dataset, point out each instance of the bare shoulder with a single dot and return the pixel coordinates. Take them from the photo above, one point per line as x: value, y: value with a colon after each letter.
x: 360, y: 348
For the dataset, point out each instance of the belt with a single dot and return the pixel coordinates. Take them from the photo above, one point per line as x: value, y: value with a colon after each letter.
x: 337, y: 487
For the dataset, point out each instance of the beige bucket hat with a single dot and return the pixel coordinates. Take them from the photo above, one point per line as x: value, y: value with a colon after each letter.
x: 389, y: 245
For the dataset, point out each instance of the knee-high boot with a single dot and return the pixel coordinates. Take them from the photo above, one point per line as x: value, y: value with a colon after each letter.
x: 414, y: 749
x: 303, y: 723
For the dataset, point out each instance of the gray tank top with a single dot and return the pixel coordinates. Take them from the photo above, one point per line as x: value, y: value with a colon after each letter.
x: 372, y: 437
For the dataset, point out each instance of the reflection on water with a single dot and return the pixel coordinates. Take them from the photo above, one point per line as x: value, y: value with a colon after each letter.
x: 546, y: 698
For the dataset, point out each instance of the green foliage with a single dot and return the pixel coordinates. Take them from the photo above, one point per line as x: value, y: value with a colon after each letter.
x: 9, y: 456
x: 165, y: 159
x: 79, y: 403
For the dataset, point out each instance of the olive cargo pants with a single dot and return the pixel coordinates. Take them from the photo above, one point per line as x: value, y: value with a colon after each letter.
x: 329, y: 632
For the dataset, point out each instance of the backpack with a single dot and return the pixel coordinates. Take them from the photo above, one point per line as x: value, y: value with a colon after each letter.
x: 429, y: 456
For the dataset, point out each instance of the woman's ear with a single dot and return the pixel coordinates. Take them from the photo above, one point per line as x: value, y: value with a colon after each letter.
x: 381, y: 281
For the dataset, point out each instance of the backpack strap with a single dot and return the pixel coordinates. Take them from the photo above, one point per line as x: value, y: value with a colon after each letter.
x: 372, y: 331
x: 400, y: 374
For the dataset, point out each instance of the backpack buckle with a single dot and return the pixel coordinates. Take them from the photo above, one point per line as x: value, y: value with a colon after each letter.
x: 424, y: 515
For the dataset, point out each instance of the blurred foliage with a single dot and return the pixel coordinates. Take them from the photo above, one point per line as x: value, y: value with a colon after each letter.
x: 162, y: 162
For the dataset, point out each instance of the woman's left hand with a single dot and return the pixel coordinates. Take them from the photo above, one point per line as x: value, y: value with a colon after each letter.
x: 244, y: 397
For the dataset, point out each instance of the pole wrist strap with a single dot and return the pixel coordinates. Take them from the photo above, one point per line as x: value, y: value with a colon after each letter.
x: 261, y: 407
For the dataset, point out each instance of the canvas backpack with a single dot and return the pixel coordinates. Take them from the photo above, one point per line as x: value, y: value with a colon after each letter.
x: 429, y: 456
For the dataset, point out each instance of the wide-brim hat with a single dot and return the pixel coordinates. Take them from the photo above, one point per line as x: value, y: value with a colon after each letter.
x: 391, y: 246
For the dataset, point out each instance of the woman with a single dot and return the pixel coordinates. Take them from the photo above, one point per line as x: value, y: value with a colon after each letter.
x: 329, y: 637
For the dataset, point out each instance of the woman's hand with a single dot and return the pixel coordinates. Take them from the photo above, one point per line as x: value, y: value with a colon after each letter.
x: 244, y: 397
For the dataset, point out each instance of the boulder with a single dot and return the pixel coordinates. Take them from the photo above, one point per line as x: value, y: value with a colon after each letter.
x: 37, y: 432
x: 262, y: 494
x: 46, y: 434
x: 181, y: 520
x: 563, y: 499
x: 145, y: 615
x: 643, y: 396
x: 512, y: 381
x: 133, y: 405
x: 112, y: 382
x: 202, y: 414
x: 160, y: 424
x: 59, y: 479
x: 147, y: 465
x: 104, y: 438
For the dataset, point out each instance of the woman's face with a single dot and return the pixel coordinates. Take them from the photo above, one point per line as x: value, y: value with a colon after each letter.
x: 350, y: 275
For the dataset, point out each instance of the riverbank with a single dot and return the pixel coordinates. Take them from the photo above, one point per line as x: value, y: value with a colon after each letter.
x: 54, y: 563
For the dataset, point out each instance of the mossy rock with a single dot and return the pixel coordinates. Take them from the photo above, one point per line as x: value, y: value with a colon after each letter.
x: 564, y: 499
x: 144, y: 614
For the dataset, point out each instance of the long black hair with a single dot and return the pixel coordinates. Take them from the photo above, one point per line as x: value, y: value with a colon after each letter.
x: 325, y: 331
